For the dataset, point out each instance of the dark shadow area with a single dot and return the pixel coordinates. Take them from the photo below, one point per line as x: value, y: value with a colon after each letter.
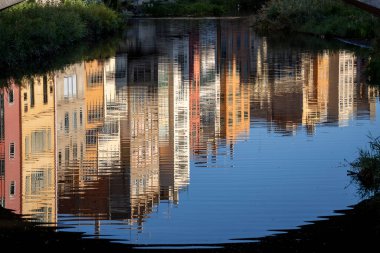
x: 81, y: 52
x: 356, y: 229
x: 309, y: 42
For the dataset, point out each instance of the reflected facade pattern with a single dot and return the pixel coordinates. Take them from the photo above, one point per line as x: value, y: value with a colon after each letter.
x: 304, y: 89
x: 110, y: 139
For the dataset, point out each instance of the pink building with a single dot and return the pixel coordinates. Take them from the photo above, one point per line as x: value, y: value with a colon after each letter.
x: 10, y: 147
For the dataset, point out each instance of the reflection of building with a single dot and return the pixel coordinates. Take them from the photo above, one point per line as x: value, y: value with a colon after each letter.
x: 71, y: 131
x: 235, y: 105
x: 262, y: 89
x: 10, y: 148
x: 38, y: 138
x: 334, y: 93
x: 135, y: 191
x: 315, y: 90
x: 174, y: 119
x: 94, y: 93
x: 366, y: 101
x: 342, y: 75
x: 310, y: 90
x: 209, y: 93
x: 234, y: 93
x: 109, y: 136
x: 194, y: 92
x: 140, y: 150
x: 80, y: 116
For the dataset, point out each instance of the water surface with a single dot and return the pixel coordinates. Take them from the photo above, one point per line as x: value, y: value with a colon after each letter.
x: 195, y: 132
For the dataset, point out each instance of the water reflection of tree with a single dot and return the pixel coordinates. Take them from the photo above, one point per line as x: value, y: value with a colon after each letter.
x: 40, y: 66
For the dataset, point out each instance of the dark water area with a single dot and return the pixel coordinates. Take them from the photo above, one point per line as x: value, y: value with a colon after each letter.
x: 194, y: 132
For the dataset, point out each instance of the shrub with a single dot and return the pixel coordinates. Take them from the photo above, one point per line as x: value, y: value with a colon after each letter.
x: 30, y: 31
x: 320, y: 17
x: 366, y: 169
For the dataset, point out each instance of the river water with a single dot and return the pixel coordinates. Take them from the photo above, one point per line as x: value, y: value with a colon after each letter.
x: 195, y: 132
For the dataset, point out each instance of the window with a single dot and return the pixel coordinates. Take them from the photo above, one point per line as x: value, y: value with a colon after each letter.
x: 91, y: 136
x: 49, y: 140
x: 81, y: 151
x: 81, y: 117
x: 10, y: 96
x: 95, y: 79
x: 245, y: 115
x: 70, y: 86
x: 95, y: 113
x: 2, y: 168
x: 38, y: 141
x: 67, y: 122
x: 59, y: 158
x: 45, y: 89
x: 75, y: 121
x: 37, y: 182
x: 27, y: 185
x: 27, y: 146
x: 25, y: 96
x: 67, y: 155
x: 75, y: 151
x: 12, y: 188
x: 31, y: 86
x: 12, y: 150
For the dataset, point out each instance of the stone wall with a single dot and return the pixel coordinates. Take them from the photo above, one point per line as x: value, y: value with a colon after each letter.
x: 7, y: 3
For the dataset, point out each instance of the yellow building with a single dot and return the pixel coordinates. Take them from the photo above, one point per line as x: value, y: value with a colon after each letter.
x: 38, y: 148
x: 71, y: 126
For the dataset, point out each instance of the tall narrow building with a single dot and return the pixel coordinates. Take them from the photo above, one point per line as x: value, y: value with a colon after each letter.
x: 10, y: 147
x: 38, y: 148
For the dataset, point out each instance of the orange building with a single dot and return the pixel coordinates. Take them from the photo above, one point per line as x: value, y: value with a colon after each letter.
x: 94, y: 94
x: 234, y: 93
